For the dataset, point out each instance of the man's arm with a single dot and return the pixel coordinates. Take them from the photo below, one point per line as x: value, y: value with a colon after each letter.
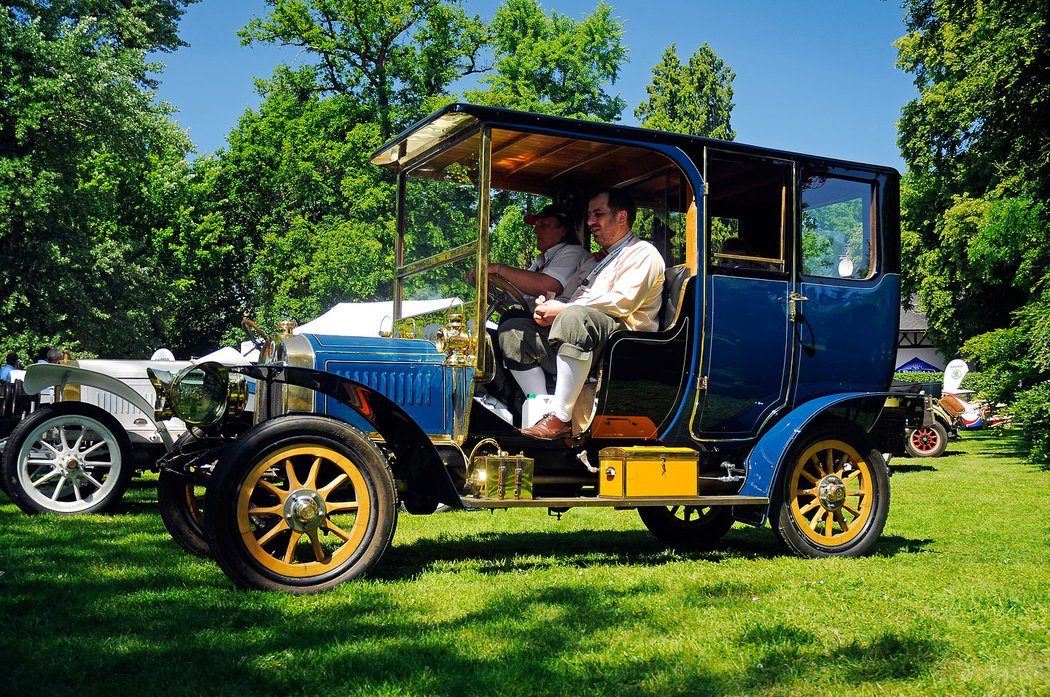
x: 529, y: 282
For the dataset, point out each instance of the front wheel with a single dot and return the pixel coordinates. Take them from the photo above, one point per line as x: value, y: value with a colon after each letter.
x: 67, y: 458
x: 926, y: 441
x: 833, y: 495
x: 300, y: 504
x: 697, y: 526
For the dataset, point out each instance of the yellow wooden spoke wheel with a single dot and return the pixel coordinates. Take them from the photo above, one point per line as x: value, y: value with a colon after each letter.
x: 833, y: 493
x: 300, y: 503
x: 303, y: 509
x: 693, y: 526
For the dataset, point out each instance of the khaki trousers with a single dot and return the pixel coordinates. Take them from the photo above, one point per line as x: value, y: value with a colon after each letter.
x: 577, y: 332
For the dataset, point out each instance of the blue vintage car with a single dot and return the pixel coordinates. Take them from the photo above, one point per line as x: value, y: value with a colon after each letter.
x: 751, y: 403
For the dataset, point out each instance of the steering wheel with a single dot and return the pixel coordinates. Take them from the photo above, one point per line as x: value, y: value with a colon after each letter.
x: 504, y: 295
x: 255, y: 335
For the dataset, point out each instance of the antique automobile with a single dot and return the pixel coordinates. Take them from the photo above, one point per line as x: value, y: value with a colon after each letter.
x: 915, y: 421
x: 751, y: 403
x: 76, y: 450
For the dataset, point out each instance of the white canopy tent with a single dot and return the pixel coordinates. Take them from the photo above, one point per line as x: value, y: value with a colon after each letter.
x: 367, y: 319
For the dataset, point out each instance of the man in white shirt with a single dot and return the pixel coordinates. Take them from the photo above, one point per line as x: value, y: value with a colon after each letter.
x: 623, y: 290
x: 560, y: 254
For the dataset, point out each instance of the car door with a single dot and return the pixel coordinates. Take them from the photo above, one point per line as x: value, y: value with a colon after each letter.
x: 748, y: 339
x: 848, y: 304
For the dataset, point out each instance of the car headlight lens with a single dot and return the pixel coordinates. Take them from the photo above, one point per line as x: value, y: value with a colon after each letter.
x: 202, y: 394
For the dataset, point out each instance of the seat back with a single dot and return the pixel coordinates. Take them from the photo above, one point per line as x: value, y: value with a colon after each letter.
x: 674, y: 284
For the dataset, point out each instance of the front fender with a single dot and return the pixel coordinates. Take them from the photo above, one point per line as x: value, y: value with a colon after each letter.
x: 415, y: 457
x: 40, y: 376
x: 766, y: 460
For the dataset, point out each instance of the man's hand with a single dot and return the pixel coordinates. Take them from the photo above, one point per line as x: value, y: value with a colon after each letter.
x: 547, y: 310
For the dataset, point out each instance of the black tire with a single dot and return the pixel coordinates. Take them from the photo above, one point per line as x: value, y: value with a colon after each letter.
x: 926, y: 441
x: 815, y: 512
x: 68, y: 458
x: 180, y: 499
x: 315, y: 500
x: 693, y: 526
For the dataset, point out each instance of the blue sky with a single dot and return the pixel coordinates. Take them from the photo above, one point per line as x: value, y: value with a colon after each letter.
x: 813, y: 76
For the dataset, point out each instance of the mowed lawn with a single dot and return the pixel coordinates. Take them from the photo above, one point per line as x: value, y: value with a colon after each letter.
x: 955, y: 600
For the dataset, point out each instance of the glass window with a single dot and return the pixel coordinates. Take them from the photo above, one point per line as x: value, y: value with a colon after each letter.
x: 747, y: 210
x: 837, y: 228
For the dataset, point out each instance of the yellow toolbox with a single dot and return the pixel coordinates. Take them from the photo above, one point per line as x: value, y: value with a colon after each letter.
x: 648, y: 471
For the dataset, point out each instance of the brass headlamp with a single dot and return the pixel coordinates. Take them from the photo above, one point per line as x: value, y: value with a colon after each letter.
x: 200, y: 395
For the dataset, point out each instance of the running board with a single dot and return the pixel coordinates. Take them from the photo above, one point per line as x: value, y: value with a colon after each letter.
x: 617, y: 502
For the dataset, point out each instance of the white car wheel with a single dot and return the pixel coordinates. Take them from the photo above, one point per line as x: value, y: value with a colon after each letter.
x: 67, y: 458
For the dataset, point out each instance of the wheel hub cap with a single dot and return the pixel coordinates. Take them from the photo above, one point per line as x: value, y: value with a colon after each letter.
x: 304, y: 510
x: 832, y: 492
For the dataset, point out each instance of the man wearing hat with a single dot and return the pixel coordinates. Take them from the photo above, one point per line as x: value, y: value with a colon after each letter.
x: 560, y: 254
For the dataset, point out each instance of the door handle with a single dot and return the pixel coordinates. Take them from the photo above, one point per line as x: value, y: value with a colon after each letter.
x: 794, y: 299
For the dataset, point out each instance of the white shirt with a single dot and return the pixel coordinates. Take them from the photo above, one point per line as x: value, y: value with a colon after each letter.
x: 560, y: 262
x: 629, y: 288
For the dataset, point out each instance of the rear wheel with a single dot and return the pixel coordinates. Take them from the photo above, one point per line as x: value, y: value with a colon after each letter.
x: 300, y: 504
x: 833, y: 495
x: 67, y: 458
x: 926, y: 441
x: 700, y: 526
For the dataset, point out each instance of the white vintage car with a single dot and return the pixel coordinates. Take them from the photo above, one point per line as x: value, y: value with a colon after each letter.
x: 76, y: 448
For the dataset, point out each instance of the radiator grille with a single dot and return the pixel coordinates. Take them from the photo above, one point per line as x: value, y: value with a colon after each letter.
x: 405, y: 388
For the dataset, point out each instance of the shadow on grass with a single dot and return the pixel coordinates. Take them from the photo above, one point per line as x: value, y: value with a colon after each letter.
x: 502, y: 553
x: 894, y: 545
x: 161, y: 622
x: 906, y: 469
x: 998, y: 443
x: 788, y: 654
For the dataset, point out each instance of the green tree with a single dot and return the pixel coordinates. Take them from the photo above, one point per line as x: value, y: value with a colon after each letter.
x: 306, y: 219
x: 79, y: 137
x: 975, y: 142
x: 313, y: 217
x: 396, y: 57
x: 554, y: 64
x: 696, y: 98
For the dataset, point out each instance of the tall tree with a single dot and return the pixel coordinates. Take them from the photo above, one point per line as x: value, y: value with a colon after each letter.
x: 79, y: 135
x: 695, y: 98
x: 396, y: 57
x: 976, y: 145
x: 555, y: 64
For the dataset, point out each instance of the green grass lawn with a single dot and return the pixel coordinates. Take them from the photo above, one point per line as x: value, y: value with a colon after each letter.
x: 954, y: 600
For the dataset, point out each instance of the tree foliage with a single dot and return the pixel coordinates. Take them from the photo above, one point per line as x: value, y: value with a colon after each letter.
x: 976, y: 145
x: 695, y: 98
x: 553, y: 64
x: 315, y: 217
x: 395, y: 57
x: 79, y: 138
